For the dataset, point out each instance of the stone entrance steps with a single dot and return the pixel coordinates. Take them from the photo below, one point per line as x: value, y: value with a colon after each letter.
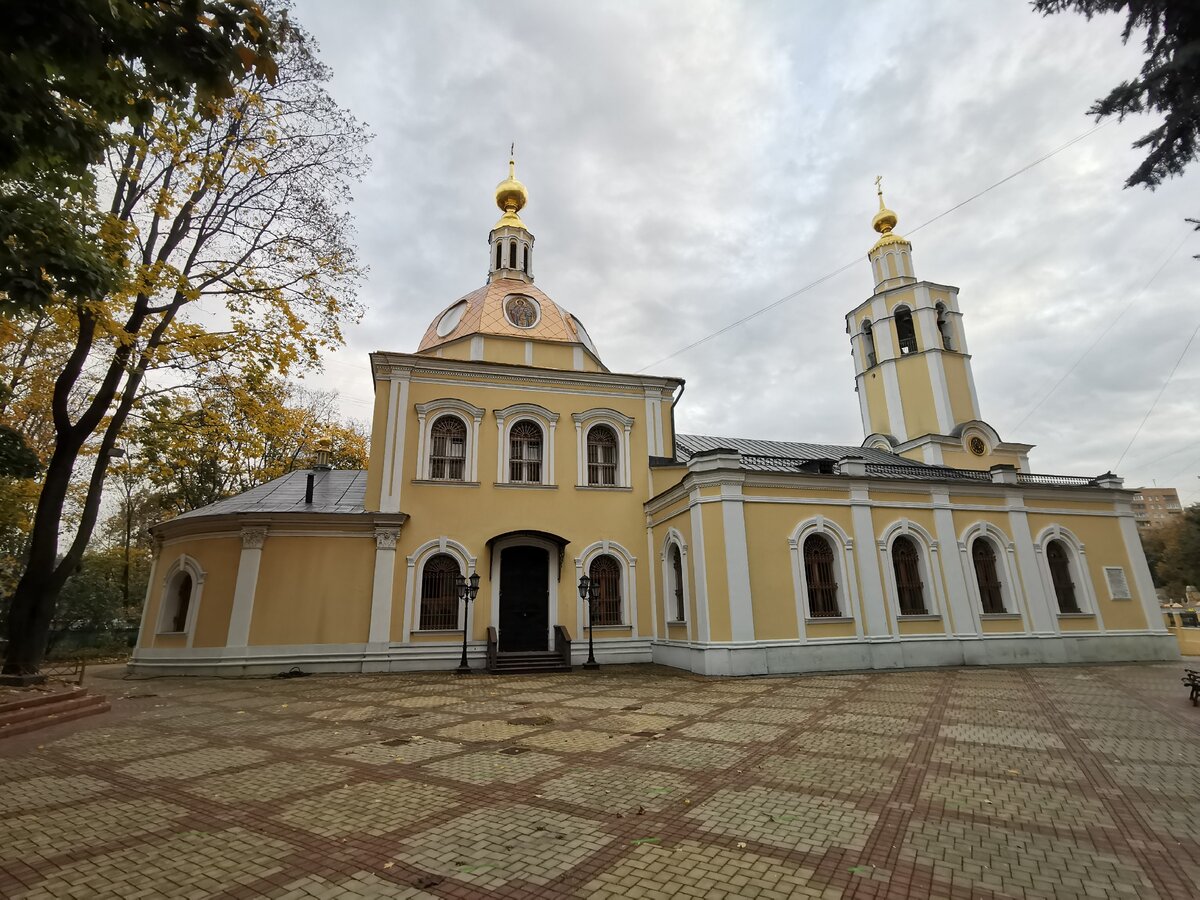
x: 529, y: 662
x: 38, y: 709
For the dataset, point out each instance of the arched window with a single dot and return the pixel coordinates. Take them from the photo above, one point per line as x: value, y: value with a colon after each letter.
x: 907, y: 566
x: 868, y: 342
x: 943, y: 326
x: 602, y: 456
x: 499, y: 254
x: 605, y: 573
x: 983, y: 555
x: 439, y: 594
x: 512, y: 254
x: 525, y: 453
x: 448, y: 449
x: 906, y: 334
x: 1060, y: 573
x: 182, y: 602
x: 819, y: 574
x: 525, y: 259
x: 677, y: 583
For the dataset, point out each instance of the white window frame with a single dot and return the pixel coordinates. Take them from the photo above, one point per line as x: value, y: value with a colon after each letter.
x: 843, y: 560
x: 622, y: 426
x: 927, y: 550
x: 1010, y: 584
x: 427, y: 414
x: 416, y: 572
x: 505, y: 420
x: 628, y: 564
x: 183, y: 565
x: 675, y: 539
x: 1085, y: 591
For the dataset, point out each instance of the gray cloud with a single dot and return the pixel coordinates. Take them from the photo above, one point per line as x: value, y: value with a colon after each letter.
x: 691, y: 162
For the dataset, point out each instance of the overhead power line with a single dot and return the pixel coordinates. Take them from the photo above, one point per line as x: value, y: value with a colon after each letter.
x: 838, y: 271
x: 1158, y: 396
x: 1111, y: 324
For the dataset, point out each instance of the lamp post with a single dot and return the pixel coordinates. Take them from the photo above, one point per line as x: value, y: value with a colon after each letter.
x: 468, y: 590
x: 588, y: 591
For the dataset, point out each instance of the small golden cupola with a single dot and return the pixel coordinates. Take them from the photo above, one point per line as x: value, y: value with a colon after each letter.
x: 510, y: 244
x: 891, y: 257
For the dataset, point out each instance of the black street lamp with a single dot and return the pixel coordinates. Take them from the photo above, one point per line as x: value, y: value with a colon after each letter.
x: 468, y: 589
x: 588, y: 591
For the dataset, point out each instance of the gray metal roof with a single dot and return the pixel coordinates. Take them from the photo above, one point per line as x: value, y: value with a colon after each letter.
x: 334, y: 491
x: 688, y: 445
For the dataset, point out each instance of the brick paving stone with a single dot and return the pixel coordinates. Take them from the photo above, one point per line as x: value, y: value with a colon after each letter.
x: 188, y: 864
x: 1064, y: 782
x: 491, y: 846
x: 691, y: 868
x: 370, y: 808
x: 491, y: 766
x: 784, y: 819
x: 619, y: 789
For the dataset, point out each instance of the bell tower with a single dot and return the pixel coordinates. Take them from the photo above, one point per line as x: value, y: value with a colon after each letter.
x: 510, y: 245
x: 912, y: 369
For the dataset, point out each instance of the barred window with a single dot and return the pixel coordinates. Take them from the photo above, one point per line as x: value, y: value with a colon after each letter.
x: 1060, y: 574
x: 907, y: 567
x: 677, y: 575
x: 602, y: 456
x: 819, y: 574
x: 448, y: 449
x: 906, y: 333
x: 605, y: 573
x: 983, y: 554
x: 525, y: 453
x: 439, y: 594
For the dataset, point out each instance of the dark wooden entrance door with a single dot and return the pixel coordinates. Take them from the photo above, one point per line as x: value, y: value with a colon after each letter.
x: 524, y: 599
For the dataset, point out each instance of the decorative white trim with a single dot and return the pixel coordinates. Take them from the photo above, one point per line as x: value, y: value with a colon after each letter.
x: 675, y: 538
x: 245, y: 586
x: 427, y: 414
x: 628, y: 564
x: 622, y: 426
x: 183, y: 565
x: 894, y: 400
x: 382, y: 584
x: 843, y: 559
x: 941, y: 393
x: 737, y: 564
x: 505, y: 420
x: 1085, y: 591
x: 702, y: 631
x: 416, y: 569
x: 1010, y: 583
x: 552, y: 576
x: 927, y: 550
x: 393, y: 444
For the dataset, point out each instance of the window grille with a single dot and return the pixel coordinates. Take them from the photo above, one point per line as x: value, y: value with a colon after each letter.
x: 448, y: 449
x: 990, y: 595
x: 906, y: 333
x: 908, y: 577
x: 677, y: 572
x: 819, y: 573
x: 602, y: 456
x: 439, y: 594
x: 606, y: 575
x: 525, y: 453
x: 1060, y: 574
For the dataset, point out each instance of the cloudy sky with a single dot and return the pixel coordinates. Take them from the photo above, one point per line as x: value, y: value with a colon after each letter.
x: 691, y: 162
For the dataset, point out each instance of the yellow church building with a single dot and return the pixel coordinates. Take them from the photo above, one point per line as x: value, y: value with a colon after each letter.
x: 505, y: 454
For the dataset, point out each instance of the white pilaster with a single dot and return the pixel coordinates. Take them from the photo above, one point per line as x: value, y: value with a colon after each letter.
x: 157, y: 549
x: 1041, y: 615
x: 381, y: 587
x: 245, y: 586
x: 964, y: 619
x: 895, y: 403
x: 393, y: 452
x: 871, y: 580
x: 737, y: 563
x: 702, y: 631
x: 1141, y: 571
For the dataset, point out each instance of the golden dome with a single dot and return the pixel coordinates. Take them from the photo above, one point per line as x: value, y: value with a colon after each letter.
x: 884, y: 221
x: 511, y: 197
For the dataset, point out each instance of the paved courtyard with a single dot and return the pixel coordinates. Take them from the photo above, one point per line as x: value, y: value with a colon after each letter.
x: 632, y: 782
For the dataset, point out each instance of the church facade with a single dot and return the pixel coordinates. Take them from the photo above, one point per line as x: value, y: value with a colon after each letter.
x: 504, y: 453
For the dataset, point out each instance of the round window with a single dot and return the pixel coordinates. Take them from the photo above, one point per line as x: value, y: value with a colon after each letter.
x: 450, y: 318
x: 521, y: 311
x: 977, y: 446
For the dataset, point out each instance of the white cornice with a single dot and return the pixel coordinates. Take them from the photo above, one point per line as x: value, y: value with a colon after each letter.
x: 385, y: 364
